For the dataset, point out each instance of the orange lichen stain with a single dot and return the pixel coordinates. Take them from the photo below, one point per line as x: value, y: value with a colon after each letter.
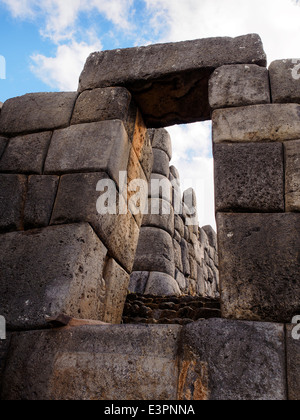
x: 193, y: 381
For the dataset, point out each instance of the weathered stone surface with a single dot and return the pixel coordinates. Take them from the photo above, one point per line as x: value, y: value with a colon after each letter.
x: 26, y: 154
x: 161, y: 139
x: 138, y: 281
x: 3, y: 143
x: 181, y: 280
x: 179, y: 225
x: 161, y: 284
x: 185, y: 258
x: 259, y: 266
x: 212, y: 236
x: 4, y: 349
x: 115, y: 281
x: 293, y: 362
x: 37, y: 112
x: 292, y: 175
x: 161, y: 163
x: 160, y: 214
x: 177, y: 255
x: 128, y: 362
x: 105, y: 104
x: 285, y: 81
x: 40, y: 198
x: 12, y: 198
x: 273, y: 122
x: 160, y: 187
x: 159, y: 256
x: 32, y: 288
x: 76, y: 201
x: 249, y: 177
x: 239, y: 85
x: 169, y: 82
x: 233, y: 360
x: 95, y: 147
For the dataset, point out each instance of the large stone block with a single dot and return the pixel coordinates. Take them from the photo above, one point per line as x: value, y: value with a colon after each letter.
x: 48, y: 272
x: 95, y: 147
x: 169, y: 82
x: 233, y: 360
x: 161, y: 284
x: 26, y: 154
x: 3, y: 143
x: 160, y: 214
x: 155, y: 252
x: 160, y: 187
x: 292, y: 175
x: 128, y: 362
x: 40, y: 199
x: 285, y: 81
x: 138, y: 282
x: 105, y: 104
x: 77, y: 200
x: 161, y: 163
x: 239, y: 85
x: 259, y: 266
x: 12, y: 198
x: 37, y: 112
x: 161, y: 140
x: 249, y: 177
x: 293, y: 360
x: 255, y: 123
x: 142, y: 145
x: 116, y: 281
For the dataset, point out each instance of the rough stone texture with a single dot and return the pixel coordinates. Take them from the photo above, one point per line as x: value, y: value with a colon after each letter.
x: 239, y: 85
x: 138, y: 282
x: 275, y: 122
x: 37, y: 112
x: 161, y: 284
x: 161, y: 139
x: 285, y: 81
x: 292, y: 175
x: 142, y: 145
x: 249, y: 177
x: 94, y: 363
x: 115, y: 281
x: 40, y: 198
x: 4, y: 349
x: 32, y: 288
x: 259, y: 266
x: 105, y: 104
x: 157, y: 69
x: 76, y: 202
x: 233, y: 360
x: 12, y: 198
x: 95, y: 147
x: 3, y: 143
x: 163, y: 220
x: 161, y: 163
x: 160, y: 256
x: 293, y: 363
x: 160, y: 187
x: 26, y: 154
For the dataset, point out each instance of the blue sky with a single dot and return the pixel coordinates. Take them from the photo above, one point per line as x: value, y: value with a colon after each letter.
x: 46, y: 42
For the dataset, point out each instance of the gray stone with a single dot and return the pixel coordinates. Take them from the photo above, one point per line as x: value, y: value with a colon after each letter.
x: 179, y: 225
x: 292, y: 175
x: 233, y: 360
x: 259, y: 266
x: 32, y: 288
x: 95, y: 147
x: 163, y: 220
x: 12, y: 198
x: 249, y: 177
x: 293, y: 361
x: 255, y: 123
x: 177, y: 255
x: 161, y: 163
x: 169, y: 82
x: 285, y: 81
x: 185, y: 258
x: 174, y: 172
x: 127, y: 362
x: 37, y: 112
x: 3, y: 143
x: 155, y: 252
x: 138, y: 282
x: 212, y: 236
x: 40, y: 198
x: 239, y: 85
x: 4, y: 350
x: 116, y: 282
x: 181, y: 280
x: 77, y: 200
x: 105, y: 104
x: 160, y: 187
x: 26, y: 154
x: 161, y: 284
x: 162, y: 140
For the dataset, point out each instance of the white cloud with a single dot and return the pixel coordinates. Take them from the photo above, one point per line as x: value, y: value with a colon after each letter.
x: 63, y: 70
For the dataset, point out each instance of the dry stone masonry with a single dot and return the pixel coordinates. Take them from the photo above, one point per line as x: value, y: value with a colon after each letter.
x: 60, y: 256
